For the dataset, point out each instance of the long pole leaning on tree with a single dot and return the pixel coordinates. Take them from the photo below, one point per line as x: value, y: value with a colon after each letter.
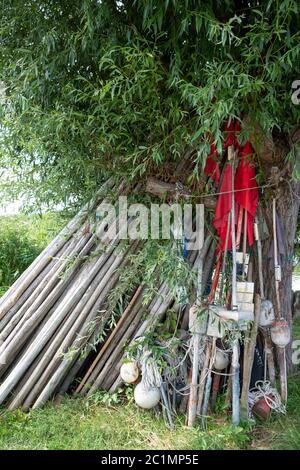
x: 196, y: 324
x: 277, y: 274
x: 235, y: 345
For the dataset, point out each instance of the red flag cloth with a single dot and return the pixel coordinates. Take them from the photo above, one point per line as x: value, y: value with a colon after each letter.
x: 231, y: 132
x: 212, y: 166
x: 246, y: 192
x: 223, y: 208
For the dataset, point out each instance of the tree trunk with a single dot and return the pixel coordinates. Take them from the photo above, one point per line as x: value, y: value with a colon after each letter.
x: 277, y: 170
x: 287, y: 205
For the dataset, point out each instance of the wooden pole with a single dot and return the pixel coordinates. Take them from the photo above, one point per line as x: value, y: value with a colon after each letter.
x: 203, y: 376
x: 196, y: 325
x: 280, y: 351
x: 235, y: 346
x: 249, y: 357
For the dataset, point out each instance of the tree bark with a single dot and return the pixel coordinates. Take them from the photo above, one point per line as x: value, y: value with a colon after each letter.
x: 277, y: 172
x: 288, y: 203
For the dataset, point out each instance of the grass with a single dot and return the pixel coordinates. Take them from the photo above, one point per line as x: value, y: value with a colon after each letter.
x: 89, y: 424
x: 79, y: 424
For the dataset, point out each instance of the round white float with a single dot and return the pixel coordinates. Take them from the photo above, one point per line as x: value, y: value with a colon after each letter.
x: 146, y: 397
x: 129, y: 372
x: 221, y: 360
x: 281, y: 333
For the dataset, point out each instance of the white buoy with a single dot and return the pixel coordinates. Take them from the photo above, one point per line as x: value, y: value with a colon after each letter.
x: 129, y: 372
x: 221, y: 360
x: 281, y: 333
x: 146, y: 397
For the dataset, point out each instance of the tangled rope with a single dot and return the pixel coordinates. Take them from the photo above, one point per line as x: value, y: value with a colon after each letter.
x: 151, y: 376
x: 263, y: 389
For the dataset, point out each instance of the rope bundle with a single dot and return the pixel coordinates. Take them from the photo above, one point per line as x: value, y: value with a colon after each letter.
x: 263, y: 389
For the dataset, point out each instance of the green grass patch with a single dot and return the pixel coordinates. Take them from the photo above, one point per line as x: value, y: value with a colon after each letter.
x: 78, y: 424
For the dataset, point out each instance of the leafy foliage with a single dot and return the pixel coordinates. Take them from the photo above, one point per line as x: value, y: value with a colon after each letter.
x: 123, y: 87
x: 21, y: 240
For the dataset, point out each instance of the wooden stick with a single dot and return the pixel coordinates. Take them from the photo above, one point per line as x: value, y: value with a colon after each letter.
x: 245, y: 243
x: 109, y: 340
x: 115, y: 339
x: 215, y: 390
x: 235, y: 347
x: 249, y: 357
x: 239, y: 227
x: 192, y: 406
x: 46, y: 287
x: 203, y: 376
x: 27, y: 297
x: 75, y: 293
x: 208, y: 385
x: 225, y: 258
x: 280, y: 351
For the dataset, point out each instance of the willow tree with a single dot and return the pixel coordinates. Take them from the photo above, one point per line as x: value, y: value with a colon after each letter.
x: 97, y: 87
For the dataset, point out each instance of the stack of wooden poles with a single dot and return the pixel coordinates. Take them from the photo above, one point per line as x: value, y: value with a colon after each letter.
x: 57, y: 307
x: 60, y: 306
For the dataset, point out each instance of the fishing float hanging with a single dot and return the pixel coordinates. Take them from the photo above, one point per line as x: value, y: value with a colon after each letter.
x: 280, y: 331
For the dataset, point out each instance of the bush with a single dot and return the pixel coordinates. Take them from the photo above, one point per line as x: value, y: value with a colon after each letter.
x: 22, y: 238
